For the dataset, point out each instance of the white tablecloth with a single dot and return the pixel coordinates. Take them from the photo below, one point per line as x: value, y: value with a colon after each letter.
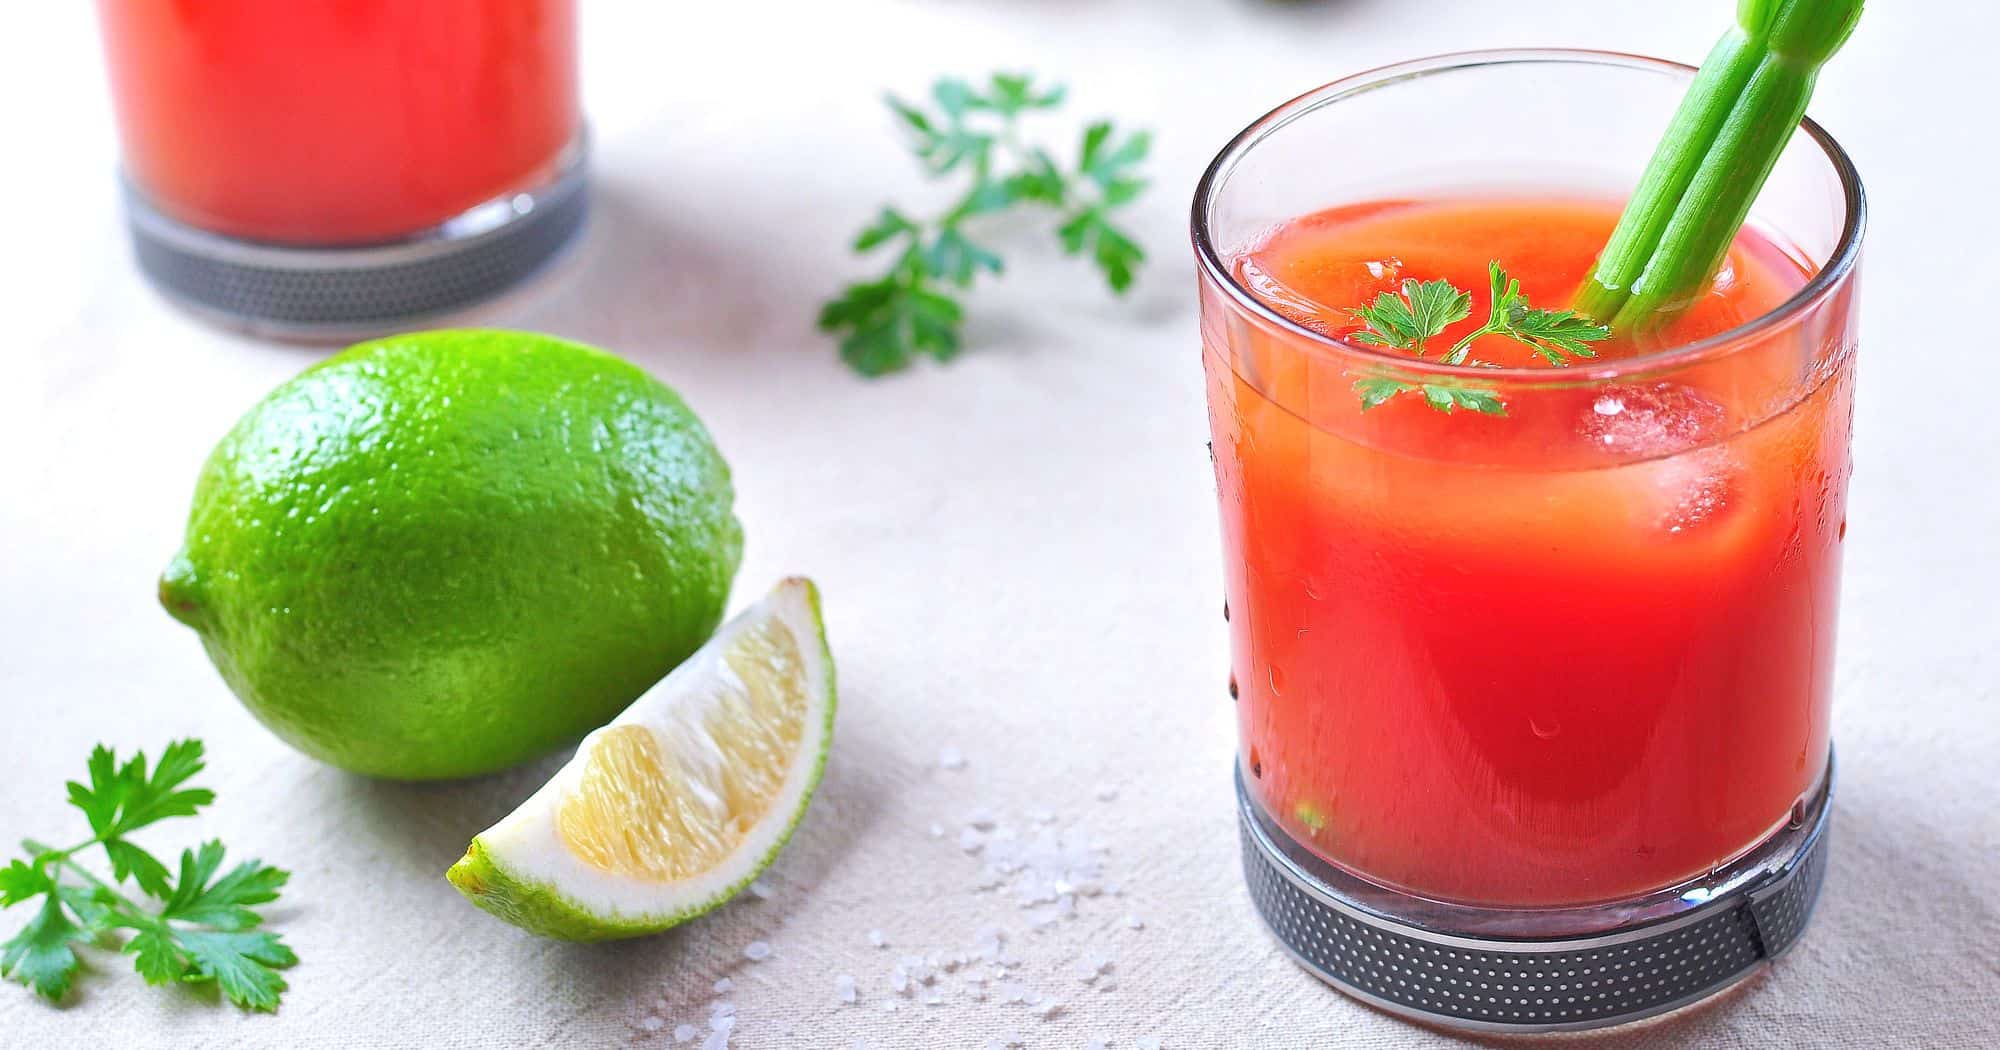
x: 1019, y: 551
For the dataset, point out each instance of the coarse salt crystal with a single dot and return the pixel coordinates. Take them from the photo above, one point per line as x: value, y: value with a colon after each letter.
x: 875, y: 938
x: 1147, y: 1042
x: 981, y: 818
x: 722, y: 1008
x: 1106, y: 792
x: 724, y: 986
x: 843, y: 986
x: 760, y: 890
x: 652, y: 1024
x: 1096, y: 1044
x: 684, y: 1033
x: 1050, y: 1008
x: 1133, y: 922
x: 715, y: 1041
x: 757, y: 951
x: 722, y: 1022
x: 951, y: 758
x: 969, y: 841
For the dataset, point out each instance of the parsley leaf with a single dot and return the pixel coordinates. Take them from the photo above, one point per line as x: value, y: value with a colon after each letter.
x: 222, y: 903
x: 1420, y: 311
x: 973, y: 131
x: 40, y: 956
x: 1445, y: 397
x: 204, y: 926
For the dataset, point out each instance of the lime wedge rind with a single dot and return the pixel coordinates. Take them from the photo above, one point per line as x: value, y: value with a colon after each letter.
x: 522, y: 871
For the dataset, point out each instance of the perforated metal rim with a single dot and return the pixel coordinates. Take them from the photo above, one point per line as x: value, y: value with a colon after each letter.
x: 1595, y: 979
x: 307, y: 291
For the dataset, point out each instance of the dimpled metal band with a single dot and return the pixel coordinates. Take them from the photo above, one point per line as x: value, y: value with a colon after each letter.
x: 1554, y: 969
x: 304, y: 291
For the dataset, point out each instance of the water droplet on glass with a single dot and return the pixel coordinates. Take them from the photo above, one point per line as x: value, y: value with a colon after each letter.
x: 1544, y: 726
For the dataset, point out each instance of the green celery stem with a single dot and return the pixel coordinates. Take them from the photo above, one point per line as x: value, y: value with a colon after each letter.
x: 1718, y: 152
x: 1718, y: 200
x: 1695, y: 126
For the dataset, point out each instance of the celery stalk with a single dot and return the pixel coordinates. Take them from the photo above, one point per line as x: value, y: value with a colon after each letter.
x: 1717, y: 153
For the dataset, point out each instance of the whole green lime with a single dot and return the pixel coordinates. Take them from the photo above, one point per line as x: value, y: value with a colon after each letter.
x: 440, y: 554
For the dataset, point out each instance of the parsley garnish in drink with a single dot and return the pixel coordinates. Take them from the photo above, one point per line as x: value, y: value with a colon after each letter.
x: 200, y: 928
x: 913, y: 309
x: 1676, y: 228
x: 1408, y: 319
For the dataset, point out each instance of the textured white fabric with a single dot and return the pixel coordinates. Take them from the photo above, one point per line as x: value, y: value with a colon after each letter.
x: 1018, y: 552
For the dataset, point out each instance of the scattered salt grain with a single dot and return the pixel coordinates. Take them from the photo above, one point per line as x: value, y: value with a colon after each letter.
x: 684, y: 1033
x: 721, y: 1008
x: 1096, y: 1044
x: 760, y: 890
x: 756, y: 951
x: 899, y: 980
x: 937, y: 830
x: 652, y: 1024
x: 722, y: 1022
x: 716, y: 1041
x: 876, y: 938
x: 843, y: 986
x: 1106, y: 792
x: 1147, y: 1042
x: 969, y: 840
x: 1050, y: 1008
x: 724, y: 986
x: 981, y: 818
x: 1133, y: 922
x: 951, y: 758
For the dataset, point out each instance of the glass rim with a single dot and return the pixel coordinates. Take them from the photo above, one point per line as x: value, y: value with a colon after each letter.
x: 1839, y: 263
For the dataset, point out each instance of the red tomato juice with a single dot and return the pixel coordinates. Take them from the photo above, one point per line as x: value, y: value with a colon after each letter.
x: 1569, y: 655
x: 338, y: 121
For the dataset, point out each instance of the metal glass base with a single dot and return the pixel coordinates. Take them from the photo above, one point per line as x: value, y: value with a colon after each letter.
x: 1536, y: 970
x: 293, y: 291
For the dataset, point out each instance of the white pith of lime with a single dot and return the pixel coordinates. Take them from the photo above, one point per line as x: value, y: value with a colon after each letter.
x: 723, y: 753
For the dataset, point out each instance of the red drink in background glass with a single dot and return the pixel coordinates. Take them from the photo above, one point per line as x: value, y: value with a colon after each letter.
x: 334, y: 122
x: 1570, y: 655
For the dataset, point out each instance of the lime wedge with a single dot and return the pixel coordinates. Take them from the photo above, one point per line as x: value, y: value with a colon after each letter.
x: 684, y: 798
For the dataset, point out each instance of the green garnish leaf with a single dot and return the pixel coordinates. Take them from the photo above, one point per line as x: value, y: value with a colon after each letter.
x: 40, y: 955
x: 21, y: 881
x: 203, y: 927
x: 244, y: 964
x: 974, y: 131
x: 1377, y: 391
x: 1420, y: 311
x: 1555, y: 335
x: 1407, y: 319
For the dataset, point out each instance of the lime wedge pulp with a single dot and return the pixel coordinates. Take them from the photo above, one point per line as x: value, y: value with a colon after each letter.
x: 678, y: 803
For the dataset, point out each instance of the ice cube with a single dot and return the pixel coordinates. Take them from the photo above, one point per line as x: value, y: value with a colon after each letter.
x: 1699, y: 488
x: 1644, y: 420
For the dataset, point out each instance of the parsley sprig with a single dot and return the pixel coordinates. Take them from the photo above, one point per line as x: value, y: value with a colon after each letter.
x: 202, y: 927
x: 914, y: 308
x: 1409, y: 318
